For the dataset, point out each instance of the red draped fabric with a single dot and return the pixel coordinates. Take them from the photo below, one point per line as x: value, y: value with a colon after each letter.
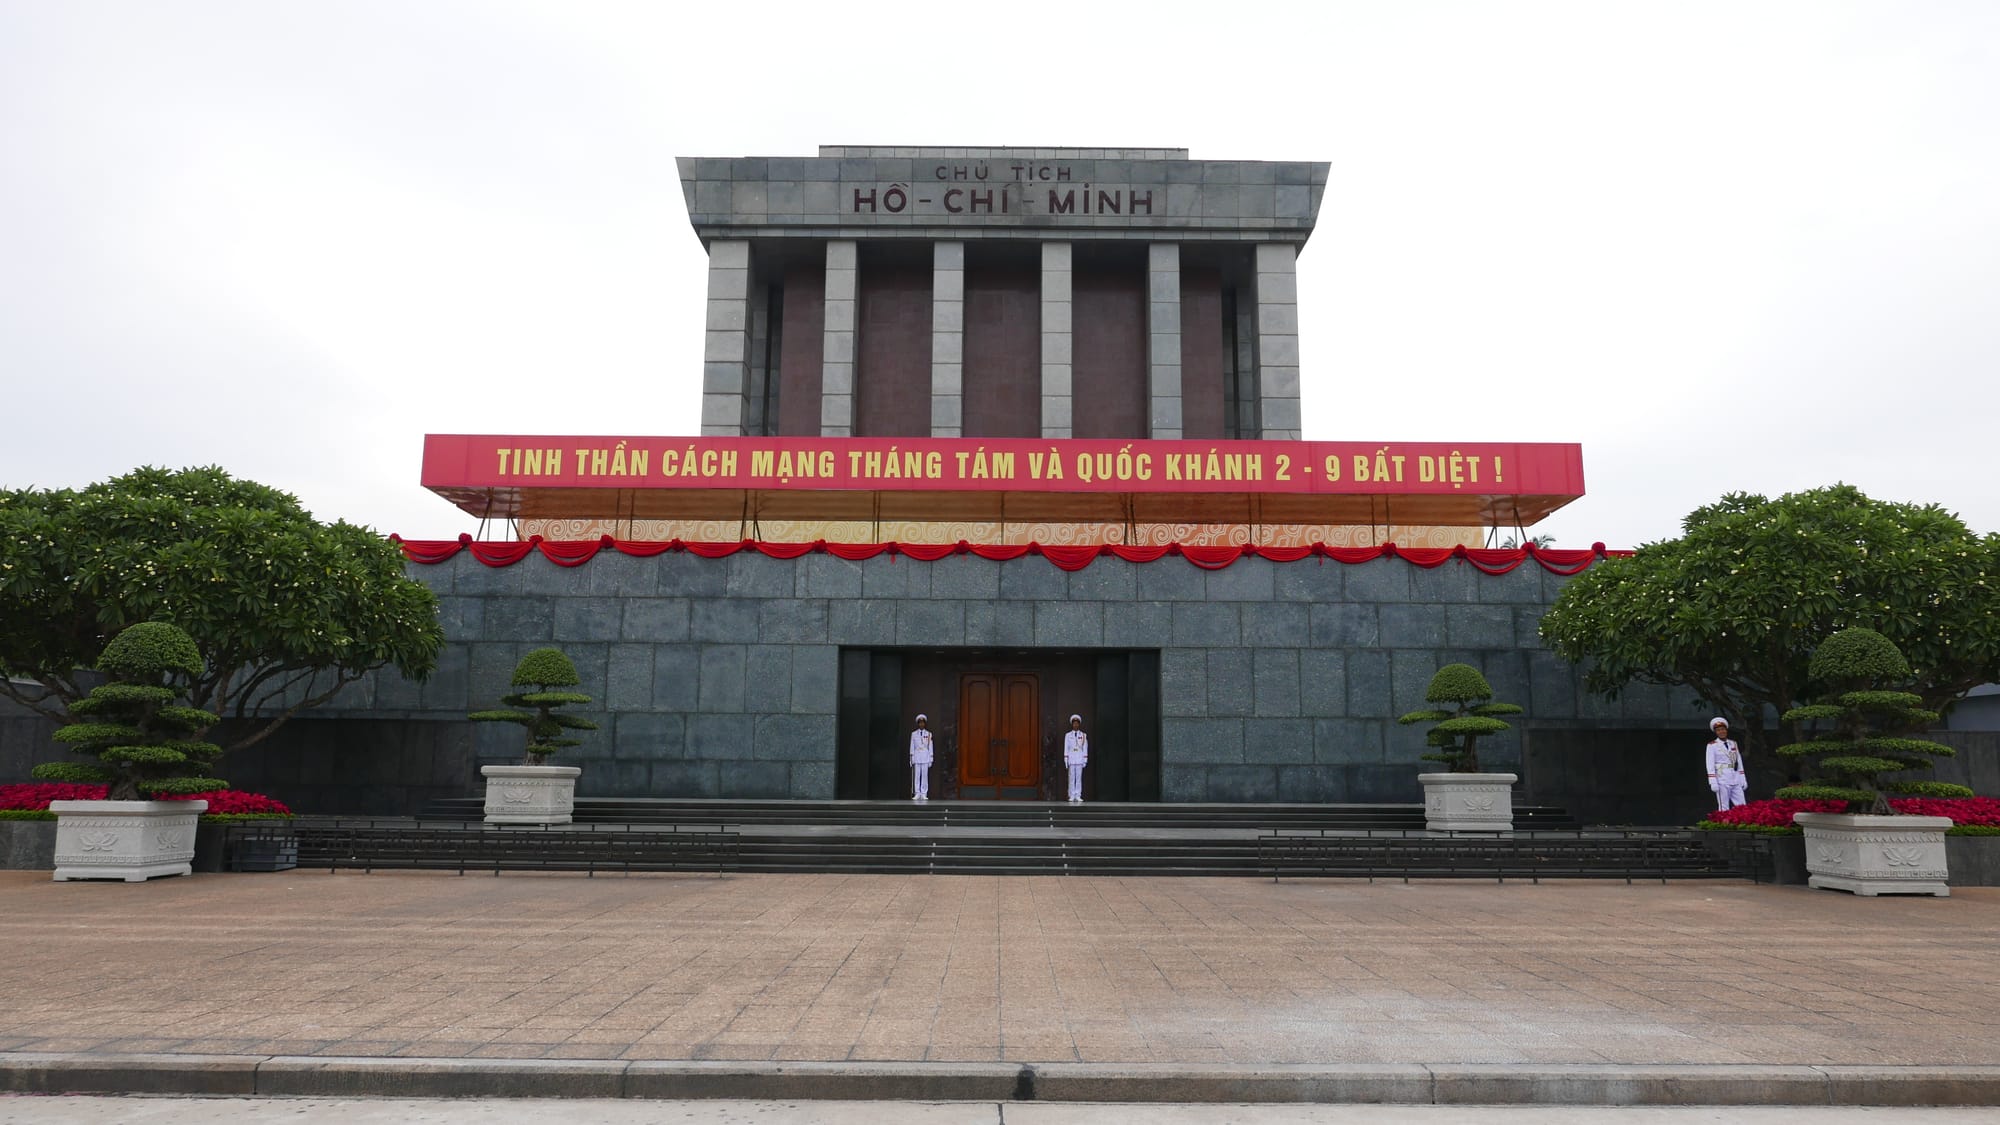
x: 430, y: 552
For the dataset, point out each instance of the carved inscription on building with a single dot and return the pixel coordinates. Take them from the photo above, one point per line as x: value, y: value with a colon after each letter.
x: 1013, y: 188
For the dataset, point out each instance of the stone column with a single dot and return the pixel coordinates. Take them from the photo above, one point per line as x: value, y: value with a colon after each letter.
x: 1278, y: 342
x: 1056, y: 416
x: 726, y: 350
x: 1163, y: 339
x: 947, y: 339
x: 836, y: 397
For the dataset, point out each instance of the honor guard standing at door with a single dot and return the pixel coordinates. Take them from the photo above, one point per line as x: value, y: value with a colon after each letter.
x: 921, y: 754
x: 1725, y: 766
x: 1076, y: 754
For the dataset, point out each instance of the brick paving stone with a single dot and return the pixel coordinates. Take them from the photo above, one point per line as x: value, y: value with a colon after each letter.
x: 1113, y: 970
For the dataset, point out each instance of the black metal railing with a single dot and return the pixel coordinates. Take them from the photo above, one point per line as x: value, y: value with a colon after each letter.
x: 369, y: 845
x: 1627, y: 853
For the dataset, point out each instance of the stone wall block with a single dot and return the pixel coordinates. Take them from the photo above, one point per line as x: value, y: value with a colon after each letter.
x: 1033, y: 579
x: 586, y: 619
x: 1171, y: 579
x: 614, y: 574
x: 1106, y: 580
x: 1276, y: 625
x: 888, y: 576
x: 1207, y: 741
x: 753, y: 574
x: 964, y: 576
x: 1523, y: 584
x: 767, y: 679
x: 629, y: 674
x: 646, y: 736
x: 1383, y: 580
x: 1231, y: 682
x: 1455, y: 581
x: 1369, y: 686
x: 745, y: 780
x: 525, y: 620
x: 682, y: 574
x: 685, y: 779
x: 866, y: 622
x: 1246, y: 580
x: 936, y: 623
x: 676, y: 677
x: 795, y: 738
x: 816, y: 679
x: 1412, y: 625
x: 1479, y: 626
x: 1069, y: 624
x: 827, y: 576
x: 1322, y: 682
x: 812, y: 781
x: 1411, y: 672
x: 724, y: 620
x: 1205, y: 625
x: 1308, y: 580
x: 722, y: 669
x: 1184, y: 681
x: 1276, y: 676
x: 1138, y: 624
x: 720, y: 737
x: 1243, y: 784
x: 462, y: 619
x: 655, y: 620
x: 802, y: 621
x: 1278, y: 740
x: 1345, y: 626
x: 1349, y: 741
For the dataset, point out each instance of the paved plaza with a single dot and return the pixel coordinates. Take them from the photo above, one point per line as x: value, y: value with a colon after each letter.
x: 770, y: 968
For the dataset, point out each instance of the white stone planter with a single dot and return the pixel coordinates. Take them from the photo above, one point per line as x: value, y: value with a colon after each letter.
x: 1468, y: 802
x: 129, y: 840
x: 530, y: 794
x: 1875, y: 855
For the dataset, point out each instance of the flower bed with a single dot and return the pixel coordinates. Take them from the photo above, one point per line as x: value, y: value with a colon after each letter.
x: 30, y: 801
x: 1970, y: 816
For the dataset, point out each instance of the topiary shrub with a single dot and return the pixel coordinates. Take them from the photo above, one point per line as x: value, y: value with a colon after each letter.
x: 1458, y: 730
x: 1860, y: 727
x: 140, y: 740
x: 542, y: 672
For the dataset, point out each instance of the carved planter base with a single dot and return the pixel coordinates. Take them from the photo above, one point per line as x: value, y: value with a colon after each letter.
x: 1468, y: 802
x: 129, y: 840
x: 1876, y: 855
x: 530, y: 794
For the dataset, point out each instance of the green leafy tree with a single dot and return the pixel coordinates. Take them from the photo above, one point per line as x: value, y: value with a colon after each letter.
x: 1868, y: 721
x: 139, y: 738
x: 1735, y: 607
x: 1469, y: 717
x: 286, y: 611
x: 536, y: 680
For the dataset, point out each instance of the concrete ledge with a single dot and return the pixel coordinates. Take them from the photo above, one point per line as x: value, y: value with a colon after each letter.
x: 309, y: 1076
x: 1631, y: 1085
x: 842, y: 1081
x: 1351, y: 1084
x: 29, y: 1073
x: 1912, y: 1085
x: 1359, y: 1083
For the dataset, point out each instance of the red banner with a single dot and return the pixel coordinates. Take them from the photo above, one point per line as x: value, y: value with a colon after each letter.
x: 460, y: 461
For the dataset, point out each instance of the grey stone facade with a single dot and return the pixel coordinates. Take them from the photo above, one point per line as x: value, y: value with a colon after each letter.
x: 1279, y: 681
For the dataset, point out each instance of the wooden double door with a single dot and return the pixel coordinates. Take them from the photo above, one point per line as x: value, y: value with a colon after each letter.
x: 1000, y: 735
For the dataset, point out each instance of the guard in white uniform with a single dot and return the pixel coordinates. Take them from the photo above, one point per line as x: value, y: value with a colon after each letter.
x: 1076, y: 754
x: 1725, y: 766
x: 921, y: 754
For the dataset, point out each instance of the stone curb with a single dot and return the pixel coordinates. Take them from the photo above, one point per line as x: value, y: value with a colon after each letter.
x: 1363, y: 1083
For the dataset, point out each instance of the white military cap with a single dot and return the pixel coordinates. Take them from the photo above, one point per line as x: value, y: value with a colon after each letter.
x: 1718, y: 721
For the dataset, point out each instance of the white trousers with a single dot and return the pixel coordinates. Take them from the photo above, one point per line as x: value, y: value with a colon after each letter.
x: 1076, y: 783
x: 920, y: 782
x: 1728, y: 795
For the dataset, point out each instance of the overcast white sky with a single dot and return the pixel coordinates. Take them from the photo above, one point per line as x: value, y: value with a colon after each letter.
x: 1726, y: 246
